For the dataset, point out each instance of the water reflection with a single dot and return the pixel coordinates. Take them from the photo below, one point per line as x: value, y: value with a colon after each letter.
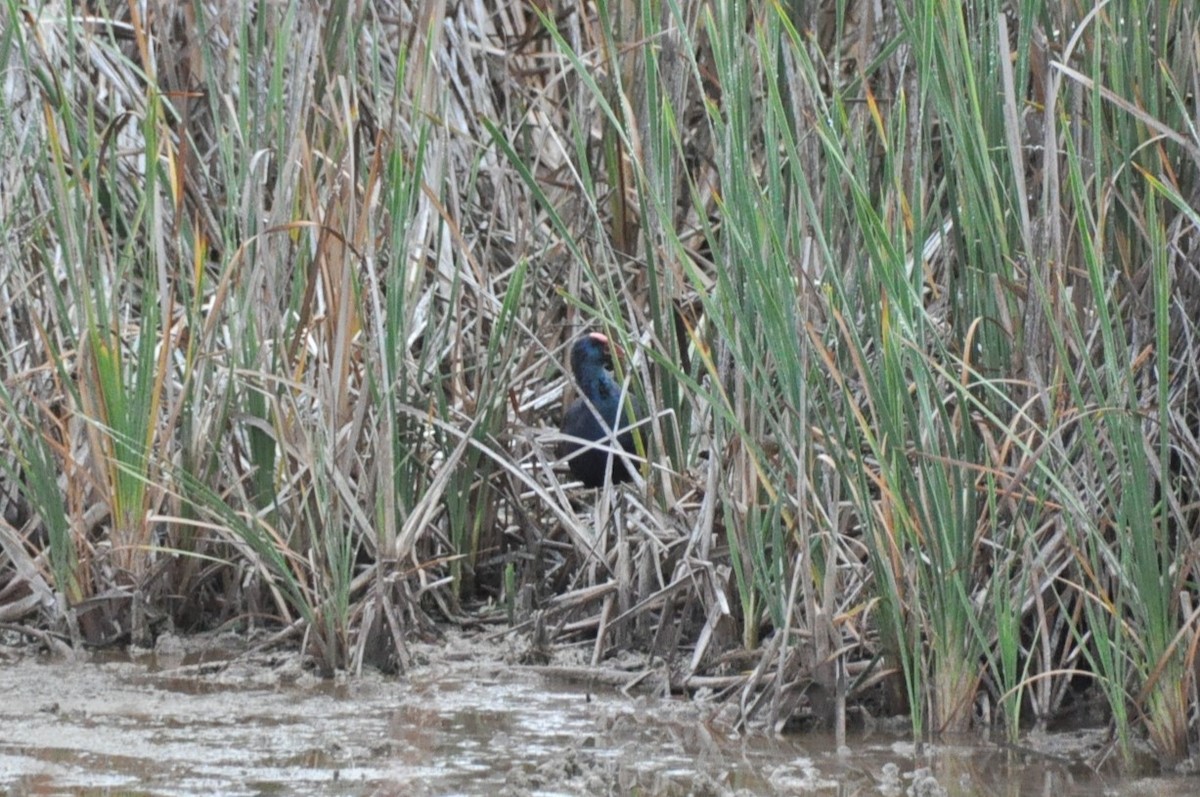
x: 204, y: 726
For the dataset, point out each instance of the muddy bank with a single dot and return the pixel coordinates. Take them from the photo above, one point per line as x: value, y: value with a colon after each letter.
x: 202, y: 719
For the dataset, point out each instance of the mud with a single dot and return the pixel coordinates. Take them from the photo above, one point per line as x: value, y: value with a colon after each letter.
x: 203, y: 718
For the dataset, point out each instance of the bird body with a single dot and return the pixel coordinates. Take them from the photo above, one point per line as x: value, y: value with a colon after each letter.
x: 595, y: 414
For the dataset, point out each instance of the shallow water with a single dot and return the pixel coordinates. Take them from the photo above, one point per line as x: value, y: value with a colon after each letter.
x: 469, y: 727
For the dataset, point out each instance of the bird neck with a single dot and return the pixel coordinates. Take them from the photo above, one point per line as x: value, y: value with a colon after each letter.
x: 600, y: 387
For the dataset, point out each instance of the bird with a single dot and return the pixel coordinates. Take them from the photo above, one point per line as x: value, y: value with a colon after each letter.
x: 595, y: 414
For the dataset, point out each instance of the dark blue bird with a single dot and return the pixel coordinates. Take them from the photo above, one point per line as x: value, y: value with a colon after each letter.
x: 591, y: 357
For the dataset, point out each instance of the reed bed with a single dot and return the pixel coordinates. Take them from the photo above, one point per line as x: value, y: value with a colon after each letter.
x: 910, y: 289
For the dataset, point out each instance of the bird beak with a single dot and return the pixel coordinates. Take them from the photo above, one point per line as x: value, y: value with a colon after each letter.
x: 610, y: 347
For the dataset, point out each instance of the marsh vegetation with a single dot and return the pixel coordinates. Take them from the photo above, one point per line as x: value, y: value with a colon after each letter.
x: 908, y: 290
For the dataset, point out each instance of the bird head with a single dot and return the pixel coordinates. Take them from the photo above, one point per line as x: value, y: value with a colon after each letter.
x: 590, y: 352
